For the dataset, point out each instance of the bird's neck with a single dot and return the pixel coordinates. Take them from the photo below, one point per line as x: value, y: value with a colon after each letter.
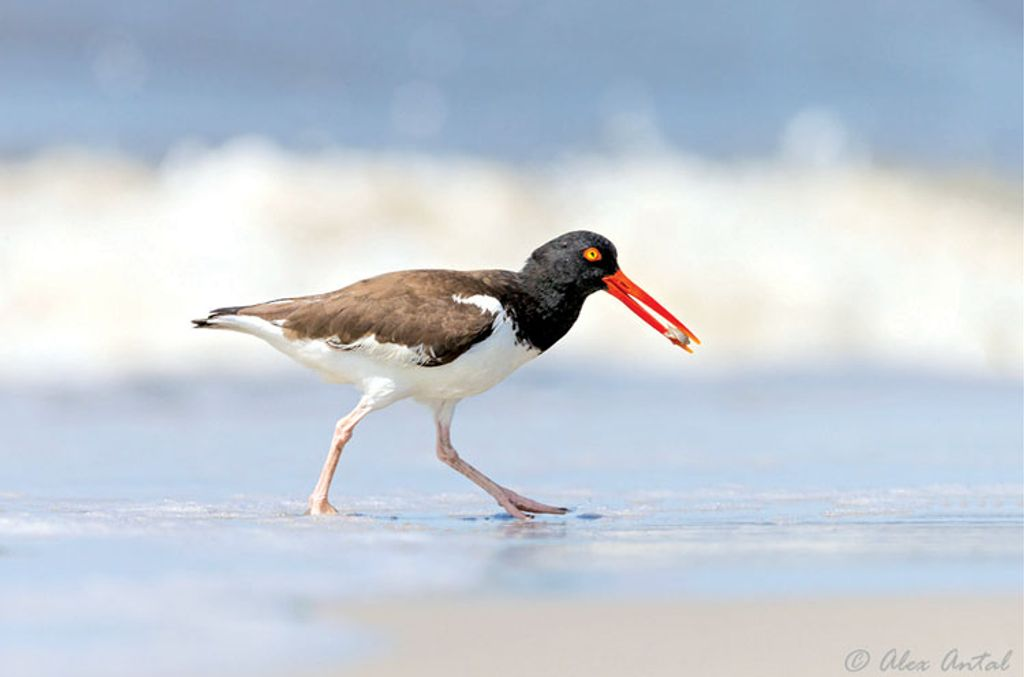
x: 544, y: 309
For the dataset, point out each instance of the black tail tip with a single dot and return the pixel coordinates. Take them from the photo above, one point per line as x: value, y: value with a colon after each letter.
x: 199, y: 324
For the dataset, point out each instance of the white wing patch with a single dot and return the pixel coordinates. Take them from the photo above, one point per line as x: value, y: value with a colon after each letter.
x: 387, y: 352
x: 486, y: 304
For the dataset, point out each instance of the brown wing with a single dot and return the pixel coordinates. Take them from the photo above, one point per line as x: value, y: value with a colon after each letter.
x: 412, y: 308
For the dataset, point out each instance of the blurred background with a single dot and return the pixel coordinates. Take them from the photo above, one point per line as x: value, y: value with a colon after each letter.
x: 828, y: 194
x: 803, y: 182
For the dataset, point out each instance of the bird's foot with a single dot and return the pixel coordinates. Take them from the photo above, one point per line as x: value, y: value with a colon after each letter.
x: 320, y: 506
x: 523, y: 504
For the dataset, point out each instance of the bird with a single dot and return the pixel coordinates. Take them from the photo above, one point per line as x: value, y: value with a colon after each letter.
x: 440, y: 336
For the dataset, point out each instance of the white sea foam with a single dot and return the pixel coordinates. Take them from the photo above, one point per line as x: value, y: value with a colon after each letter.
x: 103, y: 260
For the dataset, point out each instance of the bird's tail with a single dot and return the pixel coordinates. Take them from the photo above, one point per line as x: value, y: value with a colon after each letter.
x: 264, y: 320
x: 218, y: 318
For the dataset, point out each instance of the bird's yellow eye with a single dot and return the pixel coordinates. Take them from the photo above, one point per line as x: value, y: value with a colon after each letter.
x: 592, y: 254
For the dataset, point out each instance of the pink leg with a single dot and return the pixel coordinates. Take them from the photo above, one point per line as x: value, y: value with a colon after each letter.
x: 318, y: 503
x: 514, y: 504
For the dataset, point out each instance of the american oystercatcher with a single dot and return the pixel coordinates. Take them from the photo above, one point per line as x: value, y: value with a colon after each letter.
x: 439, y: 336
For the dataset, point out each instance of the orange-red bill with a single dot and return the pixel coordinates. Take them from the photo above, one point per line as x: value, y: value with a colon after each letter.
x: 627, y: 291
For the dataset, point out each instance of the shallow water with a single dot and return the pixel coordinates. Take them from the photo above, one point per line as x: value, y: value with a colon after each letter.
x: 163, y: 518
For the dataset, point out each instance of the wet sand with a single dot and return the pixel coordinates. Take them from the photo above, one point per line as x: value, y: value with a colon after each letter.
x: 537, y: 637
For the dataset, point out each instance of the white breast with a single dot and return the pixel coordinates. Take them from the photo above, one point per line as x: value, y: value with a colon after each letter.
x: 479, y: 368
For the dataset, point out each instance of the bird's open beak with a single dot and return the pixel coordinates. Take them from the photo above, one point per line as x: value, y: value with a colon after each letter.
x: 627, y: 291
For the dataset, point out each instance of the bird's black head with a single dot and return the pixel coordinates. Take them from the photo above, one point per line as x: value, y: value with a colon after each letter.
x: 576, y: 262
x: 561, y: 274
